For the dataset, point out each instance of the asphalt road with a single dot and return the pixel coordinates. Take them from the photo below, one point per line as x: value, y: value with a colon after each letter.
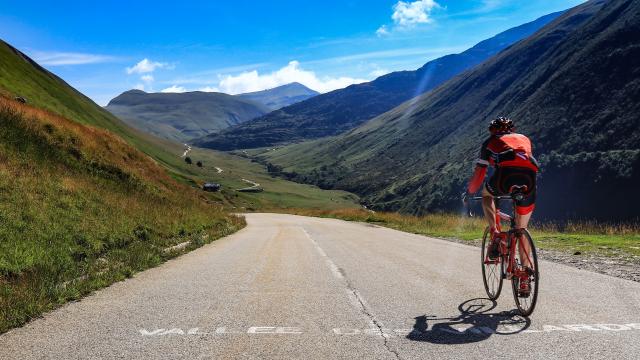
x: 296, y: 287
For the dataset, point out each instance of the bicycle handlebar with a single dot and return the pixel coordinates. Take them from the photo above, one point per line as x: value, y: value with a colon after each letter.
x: 470, y: 212
x: 503, y: 197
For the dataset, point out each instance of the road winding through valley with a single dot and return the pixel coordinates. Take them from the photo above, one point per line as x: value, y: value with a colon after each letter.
x: 297, y: 287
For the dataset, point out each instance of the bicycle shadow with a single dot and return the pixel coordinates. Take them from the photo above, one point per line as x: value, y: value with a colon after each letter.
x: 475, y: 323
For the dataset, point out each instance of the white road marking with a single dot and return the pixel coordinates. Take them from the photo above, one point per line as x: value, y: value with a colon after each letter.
x: 355, y: 298
x: 462, y: 329
x: 332, y: 266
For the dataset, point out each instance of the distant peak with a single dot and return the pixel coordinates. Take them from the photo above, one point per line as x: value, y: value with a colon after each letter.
x: 296, y: 84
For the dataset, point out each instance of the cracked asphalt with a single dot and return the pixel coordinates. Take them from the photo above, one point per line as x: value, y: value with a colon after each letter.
x: 296, y: 287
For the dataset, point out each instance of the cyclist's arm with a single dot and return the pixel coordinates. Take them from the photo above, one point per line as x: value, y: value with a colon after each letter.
x: 480, y: 170
x: 476, y: 179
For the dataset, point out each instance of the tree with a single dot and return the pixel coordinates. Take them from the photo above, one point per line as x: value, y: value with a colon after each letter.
x: 199, y: 163
x: 188, y: 160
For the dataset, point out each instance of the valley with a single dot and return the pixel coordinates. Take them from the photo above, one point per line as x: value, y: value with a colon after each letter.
x: 416, y: 157
x: 216, y: 199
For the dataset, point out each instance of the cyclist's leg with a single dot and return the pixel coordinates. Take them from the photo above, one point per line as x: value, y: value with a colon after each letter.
x: 489, y: 208
x: 524, y: 207
x: 524, y: 210
x: 522, y: 221
x: 489, y: 190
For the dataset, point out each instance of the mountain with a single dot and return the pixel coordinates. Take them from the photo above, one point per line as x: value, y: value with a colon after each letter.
x: 81, y: 206
x: 340, y: 110
x: 183, y: 116
x: 281, y: 96
x: 573, y: 87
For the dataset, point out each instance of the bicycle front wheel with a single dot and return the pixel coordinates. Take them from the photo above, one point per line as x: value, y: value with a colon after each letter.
x: 525, y: 256
x: 492, y: 270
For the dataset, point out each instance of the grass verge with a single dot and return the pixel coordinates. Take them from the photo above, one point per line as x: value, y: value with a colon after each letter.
x: 81, y: 209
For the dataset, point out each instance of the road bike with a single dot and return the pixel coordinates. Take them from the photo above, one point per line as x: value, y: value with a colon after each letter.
x: 510, y: 264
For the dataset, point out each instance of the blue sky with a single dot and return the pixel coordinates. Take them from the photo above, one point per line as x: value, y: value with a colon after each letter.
x: 104, y: 48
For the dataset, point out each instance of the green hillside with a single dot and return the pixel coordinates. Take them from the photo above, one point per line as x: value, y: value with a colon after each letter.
x: 80, y: 208
x: 21, y: 76
x: 183, y: 116
x: 572, y: 87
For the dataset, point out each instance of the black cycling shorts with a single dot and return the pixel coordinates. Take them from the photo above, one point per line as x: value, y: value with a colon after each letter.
x: 506, y: 177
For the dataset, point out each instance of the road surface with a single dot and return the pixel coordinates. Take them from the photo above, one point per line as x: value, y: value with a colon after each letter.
x: 296, y: 287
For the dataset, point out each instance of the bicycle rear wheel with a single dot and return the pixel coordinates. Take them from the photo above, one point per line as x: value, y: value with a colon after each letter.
x: 492, y: 270
x: 526, y: 304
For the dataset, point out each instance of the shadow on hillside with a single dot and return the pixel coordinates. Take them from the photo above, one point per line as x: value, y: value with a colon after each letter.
x: 475, y: 323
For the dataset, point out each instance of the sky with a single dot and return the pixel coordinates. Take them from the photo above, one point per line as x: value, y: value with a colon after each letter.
x: 105, y: 48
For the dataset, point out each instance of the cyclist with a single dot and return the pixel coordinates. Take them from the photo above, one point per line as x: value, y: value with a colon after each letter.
x: 511, y: 156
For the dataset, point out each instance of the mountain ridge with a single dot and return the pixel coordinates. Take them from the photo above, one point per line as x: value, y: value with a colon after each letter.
x: 281, y: 96
x: 183, y: 116
x: 341, y: 110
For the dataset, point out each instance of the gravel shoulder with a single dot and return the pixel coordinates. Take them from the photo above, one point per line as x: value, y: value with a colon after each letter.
x: 624, y: 267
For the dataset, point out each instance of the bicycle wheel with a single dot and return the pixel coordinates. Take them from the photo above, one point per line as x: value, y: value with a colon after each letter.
x: 492, y: 270
x: 526, y: 304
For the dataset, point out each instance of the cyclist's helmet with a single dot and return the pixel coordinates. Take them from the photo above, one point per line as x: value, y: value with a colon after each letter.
x: 501, y: 125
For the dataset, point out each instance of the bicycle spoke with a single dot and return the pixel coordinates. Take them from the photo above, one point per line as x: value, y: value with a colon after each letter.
x: 491, y: 270
x: 525, y: 303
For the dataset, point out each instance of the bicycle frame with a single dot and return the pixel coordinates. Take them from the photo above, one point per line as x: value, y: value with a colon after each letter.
x: 507, y: 246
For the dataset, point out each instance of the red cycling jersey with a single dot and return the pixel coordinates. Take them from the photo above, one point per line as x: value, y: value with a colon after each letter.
x: 502, y: 150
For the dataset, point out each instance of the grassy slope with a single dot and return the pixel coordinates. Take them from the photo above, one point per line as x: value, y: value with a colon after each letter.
x: 278, y: 193
x: 19, y: 76
x: 80, y: 208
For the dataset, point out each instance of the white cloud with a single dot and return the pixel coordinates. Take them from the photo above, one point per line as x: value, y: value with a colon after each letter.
x: 211, y: 76
x: 147, y: 78
x: 139, y: 86
x: 382, y: 31
x: 407, y: 14
x: 253, y: 81
x: 209, y: 89
x: 376, y: 73
x: 488, y: 5
x: 174, y: 89
x: 411, y: 13
x: 69, y: 58
x: 146, y: 66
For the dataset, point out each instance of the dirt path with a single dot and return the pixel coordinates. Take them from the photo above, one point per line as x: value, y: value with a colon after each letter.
x: 186, y: 151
